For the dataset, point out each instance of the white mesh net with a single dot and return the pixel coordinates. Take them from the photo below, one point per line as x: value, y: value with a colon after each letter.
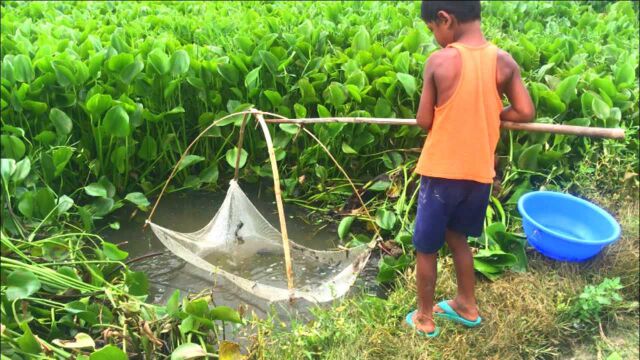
x: 238, y: 232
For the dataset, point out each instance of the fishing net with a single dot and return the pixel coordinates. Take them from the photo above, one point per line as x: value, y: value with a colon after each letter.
x: 239, y: 233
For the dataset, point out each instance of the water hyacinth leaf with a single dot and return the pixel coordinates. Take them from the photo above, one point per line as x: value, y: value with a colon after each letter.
x: 210, y: 174
x: 528, y: 159
x: 190, y: 160
x: 625, y: 74
x: 148, y: 149
x: 385, y: 219
x: 102, y: 206
x: 323, y: 111
x: 137, y: 283
x: 112, y: 252
x: 129, y: 72
x: 21, y: 284
x: 232, y: 154
x: 22, y: 169
x: 118, y: 62
x: 109, y: 352
x: 27, y: 342
x: 61, y: 121
x: 96, y: 190
x: 180, y: 62
x: 187, y: 351
x: 225, y: 313
x: 173, y: 303
x: 138, y: 199
x: 362, y: 40
x: 80, y: 341
x: 600, y: 108
x: 289, y: 128
x: 380, y: 185
x: 411, y: 41
x: 12, y: 147
x: 270, y: 61
x: 99, y: 103
x: 566, y: 89
x: 408, y: 83
x: 229, y: 73
x: 64, y: 75
x: 116, y: 122
x: 383, y: 108
x: 335, y: 94
x: 347, y: 149
x: 44, y: 202
x: 119, y: 158
x: 60, y: 157
x: 301, y: 111
x: 64, y: 204
x: 159, y: 61
x: 22, y: 68
x: 345, y: 226
x: 274, y: 97
x: 7, y: 168
x: 46, y: 137
x: 252, y: 80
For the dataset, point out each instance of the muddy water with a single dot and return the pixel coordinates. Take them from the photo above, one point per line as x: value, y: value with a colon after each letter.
x: 190, y: 211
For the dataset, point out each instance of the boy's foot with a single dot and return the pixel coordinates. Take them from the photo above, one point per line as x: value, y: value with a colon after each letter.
x: 469, y: 313
x: 423, y: 323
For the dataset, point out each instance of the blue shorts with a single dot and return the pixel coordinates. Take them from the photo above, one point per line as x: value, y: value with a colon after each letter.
x: 457, y: 205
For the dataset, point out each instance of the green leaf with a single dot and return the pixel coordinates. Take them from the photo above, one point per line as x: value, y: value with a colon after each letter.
x: 159, y: 61
x: 345, y: 226
x: 98, y: 104
x: 21, y: 284
x: 300, y: 110
x: 335, y: 94
x: 566, y: 89
x: 600, y: 108
x: 380, y: 186
x: 64, y: 204
x: 210, y: 174
x: 22, y: 169
x: 129, y: 72
x: 138, y: 199
x: 528, y: 159
x: 27, y: 342
x: 190, y: 160
x: 95, y: 189
x: 116, y: 122
x: 289, y: 128
x: 60, y: 121
x: 26, y: 205
x: 148, y: 149
x: 179, y: 62
x: 44, y: 202
x: 109, y: 352
x: 408, y: 82
x: 361, y: 41
x: 231, y: 156
x: 229, y: 73
x: 385, y: 219
x: 7, y: 169
x: 81, y: 341
x: 46, y: 137
x: 274, y: 97
x: 12, y: 147
x: 173, y: 303
x: 118, y: 62
x: 60, y: 157
x: 188, y: 351
x: 252, y: 80
x: 112, y: 252
x: 22, y: 68
x: 411, y: 41
x: 348, y: 149
x: 137, y: 283
x: 625, y: 74
x: 270, y: 61
x: 225, y: 313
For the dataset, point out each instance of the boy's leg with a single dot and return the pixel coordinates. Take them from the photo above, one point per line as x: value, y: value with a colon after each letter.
x: 426, y: 274
x: 465, y: 301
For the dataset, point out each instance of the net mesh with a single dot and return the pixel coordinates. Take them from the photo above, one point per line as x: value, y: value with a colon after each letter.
x: 239, y: 233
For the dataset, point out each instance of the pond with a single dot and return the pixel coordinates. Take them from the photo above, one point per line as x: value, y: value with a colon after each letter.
x: 190, y: 211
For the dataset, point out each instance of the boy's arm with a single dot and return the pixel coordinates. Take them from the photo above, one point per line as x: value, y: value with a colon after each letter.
x: 520, y: 107
x: 424, y: 117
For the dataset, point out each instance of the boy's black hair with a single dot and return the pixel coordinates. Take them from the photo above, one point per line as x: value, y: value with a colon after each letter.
x: 464, y: 11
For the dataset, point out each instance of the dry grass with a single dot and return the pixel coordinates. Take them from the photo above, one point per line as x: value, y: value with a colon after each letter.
x: 521, y: 311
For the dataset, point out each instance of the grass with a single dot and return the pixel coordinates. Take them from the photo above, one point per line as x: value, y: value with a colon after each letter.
x: 523, y: 312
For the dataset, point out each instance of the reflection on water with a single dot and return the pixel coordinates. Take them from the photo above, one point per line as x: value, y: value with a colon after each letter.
x: 190, y: 211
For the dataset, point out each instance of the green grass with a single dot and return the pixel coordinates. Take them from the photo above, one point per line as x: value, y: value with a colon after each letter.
x: 523, y: 312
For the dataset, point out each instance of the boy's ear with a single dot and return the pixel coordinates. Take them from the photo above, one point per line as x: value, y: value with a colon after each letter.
x: 444, y: 18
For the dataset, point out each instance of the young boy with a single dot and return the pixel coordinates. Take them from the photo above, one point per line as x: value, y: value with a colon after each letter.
x: 461, y: 108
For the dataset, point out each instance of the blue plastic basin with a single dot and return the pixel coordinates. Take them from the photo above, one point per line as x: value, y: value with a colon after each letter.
x: 564, y: 227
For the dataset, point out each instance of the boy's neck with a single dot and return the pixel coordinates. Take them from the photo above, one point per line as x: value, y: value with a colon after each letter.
x: 469, y: 34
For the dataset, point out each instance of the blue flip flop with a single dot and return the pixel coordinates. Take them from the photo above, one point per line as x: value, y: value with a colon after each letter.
x: 452, y: 315
x: 409, y: 321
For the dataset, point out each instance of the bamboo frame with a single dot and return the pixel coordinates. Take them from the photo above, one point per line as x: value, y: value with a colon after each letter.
x: 596, y: 132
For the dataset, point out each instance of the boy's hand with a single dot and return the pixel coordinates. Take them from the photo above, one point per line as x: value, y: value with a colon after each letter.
x: 521, y: 107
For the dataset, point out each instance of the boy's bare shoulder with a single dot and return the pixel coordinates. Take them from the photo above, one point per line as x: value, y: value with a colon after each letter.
x: 505, y: 62
x: 443, y: 59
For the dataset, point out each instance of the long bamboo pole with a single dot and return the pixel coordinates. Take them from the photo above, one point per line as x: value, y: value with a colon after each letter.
x: 276, y: 187
x: 597, y: 132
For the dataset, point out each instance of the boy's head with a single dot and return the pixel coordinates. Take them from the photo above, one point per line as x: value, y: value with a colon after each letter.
x: 444, y: 17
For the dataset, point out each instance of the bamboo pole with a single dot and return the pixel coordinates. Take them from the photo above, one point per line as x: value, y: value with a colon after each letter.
x: 239, y: 147
x: 276, y: 185
x: 596, y: 132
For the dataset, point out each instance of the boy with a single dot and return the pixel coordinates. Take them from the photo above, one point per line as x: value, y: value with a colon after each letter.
x: 461, y: 107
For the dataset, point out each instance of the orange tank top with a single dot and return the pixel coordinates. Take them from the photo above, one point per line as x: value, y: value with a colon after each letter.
x: 465, y: 131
